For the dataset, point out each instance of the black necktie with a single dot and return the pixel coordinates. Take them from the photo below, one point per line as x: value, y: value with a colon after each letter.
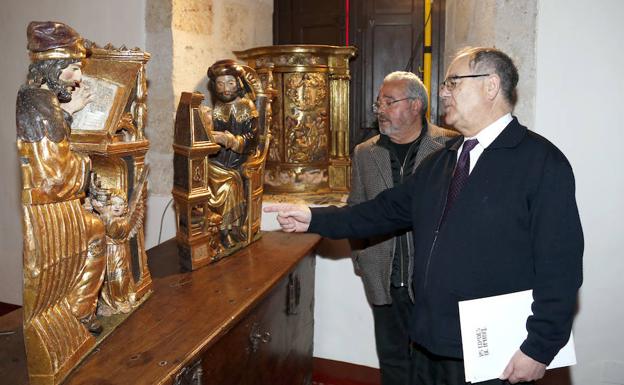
x: 460, y: 176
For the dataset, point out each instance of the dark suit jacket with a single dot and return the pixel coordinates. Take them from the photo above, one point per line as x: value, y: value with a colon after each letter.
x: 515, y: 226
x: 371, y: 174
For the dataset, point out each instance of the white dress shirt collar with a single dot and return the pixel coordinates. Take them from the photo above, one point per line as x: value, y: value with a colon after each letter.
x: 485, y: 138
x: 491, y: 132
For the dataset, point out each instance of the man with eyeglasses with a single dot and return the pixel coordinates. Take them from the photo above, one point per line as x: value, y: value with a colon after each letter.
x: 385, y: 262
x: 493, y: 213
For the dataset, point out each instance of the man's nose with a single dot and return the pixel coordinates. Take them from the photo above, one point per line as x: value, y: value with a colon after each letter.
x: 444, y: 92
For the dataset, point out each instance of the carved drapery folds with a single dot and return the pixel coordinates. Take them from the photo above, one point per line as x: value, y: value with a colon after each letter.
x: 309, y: 150
x: 99, y: 147
x: 219, y: 157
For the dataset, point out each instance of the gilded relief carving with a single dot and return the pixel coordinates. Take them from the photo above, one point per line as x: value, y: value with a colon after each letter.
x: 199, y: 173
x: 79, y: 139
x: 276, y: 145
x: 306, y: 123
x: 306, y: 91
x: 219, y: 162
x: 299, y: 179
x: 301, y: 59
x: 307, y: 137
x: 309, y: 150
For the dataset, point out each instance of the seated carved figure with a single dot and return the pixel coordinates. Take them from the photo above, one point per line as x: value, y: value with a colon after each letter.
x: 63, y: 243
x: 235, y: 129
x: 219, y: 158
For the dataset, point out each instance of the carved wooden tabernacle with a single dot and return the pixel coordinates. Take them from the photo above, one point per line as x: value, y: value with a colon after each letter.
x: 309, y: 151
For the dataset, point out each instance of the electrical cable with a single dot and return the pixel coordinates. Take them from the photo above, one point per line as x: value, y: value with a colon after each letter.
x: 162, y: 219
x: 410, y: 63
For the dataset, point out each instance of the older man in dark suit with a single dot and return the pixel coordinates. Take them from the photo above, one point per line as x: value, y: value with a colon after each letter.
x: 385, y: 263
x: 492, y: 213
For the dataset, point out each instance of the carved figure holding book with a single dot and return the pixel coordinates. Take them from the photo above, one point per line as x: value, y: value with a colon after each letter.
x: 63, y: 243
x: 235, y: 128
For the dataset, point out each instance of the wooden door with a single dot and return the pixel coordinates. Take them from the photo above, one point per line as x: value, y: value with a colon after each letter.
x: 387, y: 34
x: 309, y: 22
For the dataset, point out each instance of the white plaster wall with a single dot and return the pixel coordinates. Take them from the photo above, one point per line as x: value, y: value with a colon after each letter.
x: 578, y: 105
x: 343, y: 320
x: 115, y: 21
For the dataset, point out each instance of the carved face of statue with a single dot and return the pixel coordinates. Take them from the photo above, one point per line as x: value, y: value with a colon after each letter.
x: 98, y: 201
x: 71, y: 76
x: 47, y: 73
x: 227, y: 88
x: 118, y: 206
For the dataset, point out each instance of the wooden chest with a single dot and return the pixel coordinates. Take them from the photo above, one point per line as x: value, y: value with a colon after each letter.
x: 247, y: 319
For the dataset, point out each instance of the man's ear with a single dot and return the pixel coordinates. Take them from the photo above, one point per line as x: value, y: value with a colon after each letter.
x: 492, y: 86
x: 417, y: 105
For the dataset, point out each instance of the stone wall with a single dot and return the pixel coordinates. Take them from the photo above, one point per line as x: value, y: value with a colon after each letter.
x: 505, y: 24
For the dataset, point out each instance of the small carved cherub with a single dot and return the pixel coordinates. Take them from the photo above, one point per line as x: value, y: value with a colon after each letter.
x: 213, y: 223
x: 122, y: 220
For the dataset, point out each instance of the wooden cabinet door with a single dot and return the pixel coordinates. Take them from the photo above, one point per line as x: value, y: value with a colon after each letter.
x: 272, y: 345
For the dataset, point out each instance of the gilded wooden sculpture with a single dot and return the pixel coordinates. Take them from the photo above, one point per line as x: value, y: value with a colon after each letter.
x: 122, y: 220
x: 219, y: 157
x: 111, y: 131
x: 65, y: 244
x: 309, y: 150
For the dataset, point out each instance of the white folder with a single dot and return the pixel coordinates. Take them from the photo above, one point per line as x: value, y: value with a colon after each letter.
x: 493, y: 328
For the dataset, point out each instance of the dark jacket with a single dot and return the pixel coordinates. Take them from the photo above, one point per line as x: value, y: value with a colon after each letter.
x: 372, y: 173
x: 515, y: 226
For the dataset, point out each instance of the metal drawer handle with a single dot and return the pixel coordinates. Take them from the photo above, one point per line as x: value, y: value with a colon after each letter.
x: 293, y: 294
x: 190, y: 375
x: 256, y: 337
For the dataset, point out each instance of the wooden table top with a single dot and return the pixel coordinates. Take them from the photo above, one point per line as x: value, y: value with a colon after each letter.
x: 186, y: 314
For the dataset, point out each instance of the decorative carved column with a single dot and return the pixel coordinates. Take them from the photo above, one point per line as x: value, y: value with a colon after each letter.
x: 309, y: 151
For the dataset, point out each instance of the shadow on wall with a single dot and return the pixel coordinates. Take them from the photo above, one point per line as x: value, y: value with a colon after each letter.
x: 334, y: 249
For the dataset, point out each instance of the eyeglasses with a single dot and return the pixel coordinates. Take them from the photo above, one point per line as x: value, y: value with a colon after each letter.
x: 451, y: 82
x: 377, y: 106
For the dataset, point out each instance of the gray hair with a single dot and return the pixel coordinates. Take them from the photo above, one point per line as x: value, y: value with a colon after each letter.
x: 483, y: 59
x: 413, y: 86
